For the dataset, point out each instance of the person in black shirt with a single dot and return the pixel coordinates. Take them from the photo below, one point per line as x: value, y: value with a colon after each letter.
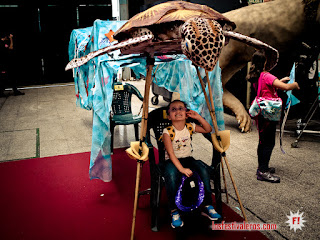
x: 6, y: 64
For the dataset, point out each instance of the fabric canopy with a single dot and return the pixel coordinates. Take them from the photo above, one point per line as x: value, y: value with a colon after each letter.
x: 94, y: 86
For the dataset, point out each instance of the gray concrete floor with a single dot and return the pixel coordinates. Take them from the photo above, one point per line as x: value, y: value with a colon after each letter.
x: 46, y: 122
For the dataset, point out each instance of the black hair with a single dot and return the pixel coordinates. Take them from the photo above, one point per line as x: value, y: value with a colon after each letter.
x: 258, y: 62
x: 177, y: 100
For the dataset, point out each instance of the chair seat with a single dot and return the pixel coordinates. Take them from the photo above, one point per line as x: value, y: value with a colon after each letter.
x: 126, y: 119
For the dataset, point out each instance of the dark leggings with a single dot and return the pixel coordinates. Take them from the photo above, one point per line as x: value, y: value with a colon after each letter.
x: 267, y: 135
x: 173, y: 179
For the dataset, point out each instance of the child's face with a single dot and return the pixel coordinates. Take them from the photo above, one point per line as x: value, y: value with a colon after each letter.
x: 177, y: 111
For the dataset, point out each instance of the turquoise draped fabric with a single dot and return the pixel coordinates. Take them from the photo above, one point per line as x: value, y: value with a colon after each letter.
x: 292, y: 100
x: 94, y: 86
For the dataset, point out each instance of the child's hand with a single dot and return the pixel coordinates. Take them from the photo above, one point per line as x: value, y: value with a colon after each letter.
x: 296, y: 85
x: 285, y: 79
x: 193, y: 114
x: 187, y: 172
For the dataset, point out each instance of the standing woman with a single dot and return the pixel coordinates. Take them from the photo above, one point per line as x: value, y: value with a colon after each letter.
x: 7, y: 64
x: 267, y: 129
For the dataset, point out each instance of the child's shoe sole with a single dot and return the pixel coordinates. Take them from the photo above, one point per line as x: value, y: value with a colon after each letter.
x: 206, y: 215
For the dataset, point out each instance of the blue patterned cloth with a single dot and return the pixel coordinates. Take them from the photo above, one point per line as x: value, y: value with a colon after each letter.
x: 94, y: 86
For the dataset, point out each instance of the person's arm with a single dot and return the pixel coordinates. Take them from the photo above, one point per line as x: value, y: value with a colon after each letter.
x: 168, y: 145
x: 204, y: 126
x: 11, y: 42
x: 285, y: 86
x: 284, y: 80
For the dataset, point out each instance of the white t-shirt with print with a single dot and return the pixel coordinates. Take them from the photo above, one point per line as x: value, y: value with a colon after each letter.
x: 181, y: 143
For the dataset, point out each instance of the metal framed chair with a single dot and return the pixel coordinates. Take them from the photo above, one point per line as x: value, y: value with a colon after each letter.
x: 121, y: 108
x: 157, y: 121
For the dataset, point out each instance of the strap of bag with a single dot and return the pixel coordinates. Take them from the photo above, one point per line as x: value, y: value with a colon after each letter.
x: 172, y: 132
x: 190, y: 128
x: 259, y: 84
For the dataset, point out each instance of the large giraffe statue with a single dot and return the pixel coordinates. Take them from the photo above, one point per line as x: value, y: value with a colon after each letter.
x: 280, y: 23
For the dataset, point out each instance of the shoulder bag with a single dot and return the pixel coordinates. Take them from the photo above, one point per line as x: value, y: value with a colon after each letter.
x: 270, y: 108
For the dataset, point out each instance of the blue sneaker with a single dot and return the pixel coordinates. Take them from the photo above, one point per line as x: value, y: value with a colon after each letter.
x: 176, y: 220
x: 210, y: 213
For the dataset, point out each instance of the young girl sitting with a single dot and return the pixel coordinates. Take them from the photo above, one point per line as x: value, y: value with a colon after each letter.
x: 179, y: 159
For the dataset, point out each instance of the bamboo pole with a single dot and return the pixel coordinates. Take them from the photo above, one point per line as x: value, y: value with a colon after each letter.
x: 215, y: 126
x: 146, y: 103
x: 235, y: 189
x: 136, y: 194
x: 143, y: 132
x: 224, y: 181
x: 213, y: 118
x: 224, y: 156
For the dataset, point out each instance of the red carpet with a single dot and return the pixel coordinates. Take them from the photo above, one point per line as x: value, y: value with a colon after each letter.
x: 53, y: 198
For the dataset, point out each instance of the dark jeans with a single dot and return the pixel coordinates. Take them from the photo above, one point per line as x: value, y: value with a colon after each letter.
x: 267, y: 135
x: 173, y: 179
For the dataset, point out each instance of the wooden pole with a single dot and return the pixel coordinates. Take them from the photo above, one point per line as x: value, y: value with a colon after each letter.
x: 212, y: 114
x: 146, y: 103
x: 136, y: 194
x: 235, y: 189
x: 215, y: 126
x: 224, y: 181
x: 224, y: 156
x: 143, y: 132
